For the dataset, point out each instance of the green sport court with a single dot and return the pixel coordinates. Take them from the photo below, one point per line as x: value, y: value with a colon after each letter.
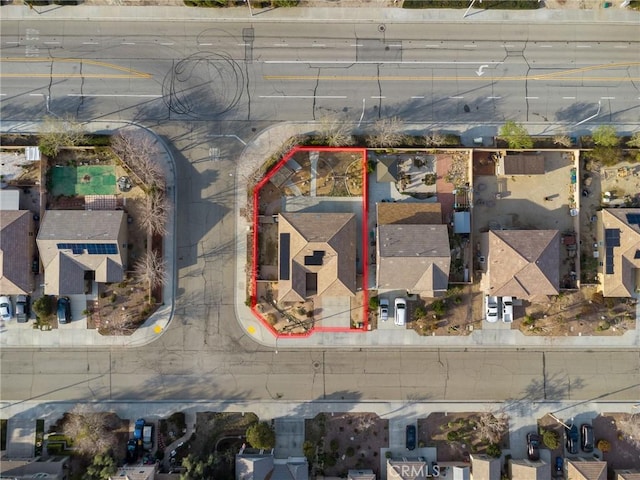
x: 83, y: 180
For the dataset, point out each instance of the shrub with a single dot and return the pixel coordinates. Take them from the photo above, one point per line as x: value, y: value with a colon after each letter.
x: 528, y: 320
x: 635, y: 140
x: 516, y: 135
x: 387, y: 454
x: 309, y: 450
x: 453, y: 436
x: 493, y: 450
x: 261, y: 435
x: 420, y: 311
x: 374, y: 303
x: 439, y: 307
x: 350, y: 452
x: 550, y: 439
x: 603, y: 445
x: 334, y: 445
x: 43, y: 307
x: 113, y: 298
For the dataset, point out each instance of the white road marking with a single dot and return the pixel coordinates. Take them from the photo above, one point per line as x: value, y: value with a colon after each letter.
x: 546, y: 46
x: 90, y: 43
x: 532, y: 98
x: 620, y: 46
x: 432, y: 46
x: 418, y: 96
x: 377, y: 98
x: 111, y: 95
x: 166, y: 43
x: 52, y: 43
x: 395, y: 45
x: 568, y: 98
x: 205, y: 44
x: 470, y: 46
x: 3, y: 94
x: 457, y: 97
x: 583, y: 46
x: 318, y: 45
x: 280, y: 44
x: 127, y: 43
x: 303, y: 96
x: 36, y: 94
x: 492, y: 98
x: 12, y: 43
x: 242, y: 44
x: 356, y: 44
x: 508, y: 46
x: 607, y: 98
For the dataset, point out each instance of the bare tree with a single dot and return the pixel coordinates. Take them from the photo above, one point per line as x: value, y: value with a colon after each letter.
x: 562, y: 140
x: 492, y: 426
x: 434, y: 139
x: 387, y: 132
x: 151, y: 269
x: 92, y: 432
x: 629, y: 426
x: 59, y: 132
x: 335, y: 131
x: 139, y: 153
x: 635, y: 140
x: 154, y: 213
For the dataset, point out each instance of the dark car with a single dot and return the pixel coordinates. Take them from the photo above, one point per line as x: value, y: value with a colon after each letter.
x: 533, y: 446
x: 64, y: 310
x: 559, y: 465
x: 411, y: 437
x: 132, y: 450
x: 573, y: 438
x: 23, y: 309
x: 586, y: 431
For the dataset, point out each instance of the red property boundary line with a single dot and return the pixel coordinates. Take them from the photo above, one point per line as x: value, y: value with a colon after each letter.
x: 364, y: 234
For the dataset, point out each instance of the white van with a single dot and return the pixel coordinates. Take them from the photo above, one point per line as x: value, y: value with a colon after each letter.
x: 400, y: 305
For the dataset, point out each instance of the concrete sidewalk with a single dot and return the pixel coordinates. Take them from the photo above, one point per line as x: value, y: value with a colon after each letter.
x: 369, y: 14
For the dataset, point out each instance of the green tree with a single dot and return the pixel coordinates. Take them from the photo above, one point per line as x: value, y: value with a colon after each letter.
x: 199, y: 468
x: 635, y: 141
x: 605, y: 136
x: 261, y: 435
x: 550, y: 439
x: 493, y: 450
x: 43, y: 307
x: 56, y: 133
x: 102, y: 467
x: 516, y: 135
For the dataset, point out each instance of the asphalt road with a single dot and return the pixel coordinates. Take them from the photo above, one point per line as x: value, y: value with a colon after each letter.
x: 234, y: 71
x: 192, y: 84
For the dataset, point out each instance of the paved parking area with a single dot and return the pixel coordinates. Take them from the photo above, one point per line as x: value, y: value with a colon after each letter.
x: 289, y: 437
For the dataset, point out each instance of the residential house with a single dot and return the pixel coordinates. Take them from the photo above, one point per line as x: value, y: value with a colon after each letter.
x: 17, y: 244
x: 521, y: 164
x: 53, y: 468
x: 78, y: 247
x: 387, y: 170
x: 523, y: 263
x: 317, y: 255
x: 485, y: 467
x: 407, y: 469
x: 361, y: 475
x: 454, y: 471
x: 263, y: 466
x: 619, y: 270
x: 137, y: 472
x: 523, y: 469
x: 413, y: 252
x: 583, y: 469
x: 627, y: 474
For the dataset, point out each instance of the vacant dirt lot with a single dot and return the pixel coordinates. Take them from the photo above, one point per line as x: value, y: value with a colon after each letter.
x: 624, y: 451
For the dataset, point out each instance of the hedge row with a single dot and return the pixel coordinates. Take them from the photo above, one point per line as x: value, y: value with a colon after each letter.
x: 485, y: 5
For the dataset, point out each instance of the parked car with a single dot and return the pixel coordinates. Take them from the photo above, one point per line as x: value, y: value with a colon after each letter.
x: 64, y: 310
x: 5, y: 308
x: 559, y: 466
x: 507, y: 309
x: 132, y: 450
x: 586, y: 432
x: 573, y: 438
x: 23, y: 308
x: 491, y: 308
x: 533, y: 446
x: 411, y: 437
x: 384, y: 309
x: 400, y: 305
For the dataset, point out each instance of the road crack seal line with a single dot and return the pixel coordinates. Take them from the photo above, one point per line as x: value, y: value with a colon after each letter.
x: 315, y: 93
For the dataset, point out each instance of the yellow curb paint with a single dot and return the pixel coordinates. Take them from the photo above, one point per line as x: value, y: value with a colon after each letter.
x: 251, y: 329
x: 157, y: 329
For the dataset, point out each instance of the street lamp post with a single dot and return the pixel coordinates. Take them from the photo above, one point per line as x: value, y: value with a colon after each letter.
x: 248, y: 2
x: 559, y: 421
x: 592, y: 116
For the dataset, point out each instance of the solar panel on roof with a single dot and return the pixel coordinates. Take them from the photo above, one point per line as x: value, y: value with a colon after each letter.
x: 90, y: 248
x: 633, y: 218
x: 612, y: 237
x: 285, y: 271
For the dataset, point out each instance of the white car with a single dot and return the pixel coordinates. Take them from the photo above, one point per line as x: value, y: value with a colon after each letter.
x: 400, y: 305
x: 491, y: 308
x: 384, y: 309
x: 507, y: 309
x: 5, y: 308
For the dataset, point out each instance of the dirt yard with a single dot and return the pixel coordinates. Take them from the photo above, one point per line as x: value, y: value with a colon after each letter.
x: 454, y: 435
x: 624, y: 451
x: 584, y: 312
x: 345, y: 441
x: 459, y: 313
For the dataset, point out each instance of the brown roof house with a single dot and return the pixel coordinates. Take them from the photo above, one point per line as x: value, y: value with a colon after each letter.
x: 361, y: 475
x: 317, y: 255
x: 583, y: 469
x: 485, y: 467
x: 620, y: 236
x: 79, y: 245
x: 263, y: 466
x: 523, y: 469
x: 16, y: 251
x: 523, y: 263
x: 53, y: 468
x: 627, y: 474
x: 413, y: 249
